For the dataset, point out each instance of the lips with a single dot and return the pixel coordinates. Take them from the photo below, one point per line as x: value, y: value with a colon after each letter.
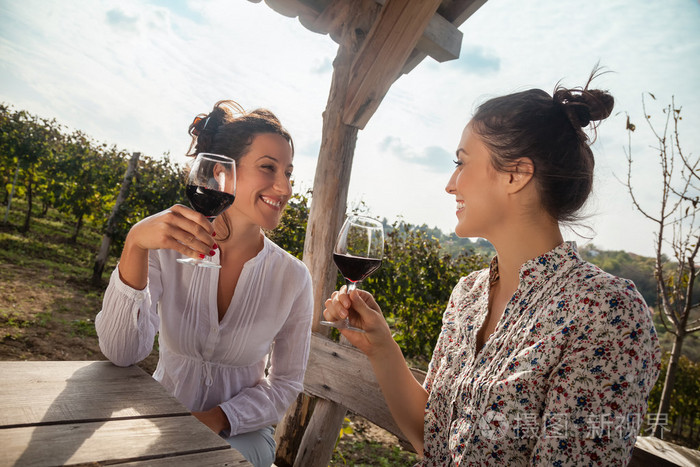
x: 274, y: 202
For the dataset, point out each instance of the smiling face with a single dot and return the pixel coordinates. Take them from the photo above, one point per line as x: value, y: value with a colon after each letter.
x: 263, y: 184
x: 477, y: 187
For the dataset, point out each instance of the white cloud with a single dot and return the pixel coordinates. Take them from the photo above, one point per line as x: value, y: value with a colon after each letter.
x: 135, y: 73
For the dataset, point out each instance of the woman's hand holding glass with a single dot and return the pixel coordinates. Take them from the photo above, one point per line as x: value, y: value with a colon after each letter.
x: 211, y: 189
x: 363, y: 312
x: 178, y: 228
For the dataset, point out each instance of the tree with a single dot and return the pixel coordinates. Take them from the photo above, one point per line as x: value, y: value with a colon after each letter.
x: 677, y: 230
x: 103, y: 253
x: 88, y: 179
x: 28, y: 142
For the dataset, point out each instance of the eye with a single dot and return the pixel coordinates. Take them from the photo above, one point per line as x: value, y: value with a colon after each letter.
x: 269, y: 167
x: 288, y: 174
x: 457, y: 162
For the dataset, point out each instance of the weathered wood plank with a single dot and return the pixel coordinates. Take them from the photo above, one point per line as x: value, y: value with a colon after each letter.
x: 221, y: 458
x: 650, y: 451
x: 106, y: 442
x: 458, y: 11
x: 441, y: 39
x: 344, y: 375
x: 384, y: 52
x: 75, y: 391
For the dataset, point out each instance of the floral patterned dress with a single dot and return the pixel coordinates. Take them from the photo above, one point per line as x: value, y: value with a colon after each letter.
x: 563, y: 380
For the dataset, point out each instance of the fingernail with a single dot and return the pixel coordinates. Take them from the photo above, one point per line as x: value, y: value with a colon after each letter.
x: 215, y: 246
x: 201, y: 256
x: 343, y: 314
x: 212, y: 252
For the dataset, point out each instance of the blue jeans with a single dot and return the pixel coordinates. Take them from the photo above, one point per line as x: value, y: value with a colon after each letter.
x: 258, y: 447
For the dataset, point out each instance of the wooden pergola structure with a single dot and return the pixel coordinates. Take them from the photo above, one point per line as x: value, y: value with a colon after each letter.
x: 378, y: 41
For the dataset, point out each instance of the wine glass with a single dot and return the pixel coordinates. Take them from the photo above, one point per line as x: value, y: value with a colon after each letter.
x: 211, y: 189
x: 357, y: 254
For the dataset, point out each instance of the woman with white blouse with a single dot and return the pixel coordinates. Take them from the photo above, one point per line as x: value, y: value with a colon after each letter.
x: 543, y: 358
x: 233, y: 342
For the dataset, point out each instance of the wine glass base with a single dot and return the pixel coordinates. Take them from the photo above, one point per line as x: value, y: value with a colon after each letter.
x: 344, y: 324
x: 198, y: 262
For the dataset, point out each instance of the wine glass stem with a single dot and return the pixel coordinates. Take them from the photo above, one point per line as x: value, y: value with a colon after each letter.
x: 351, y: 285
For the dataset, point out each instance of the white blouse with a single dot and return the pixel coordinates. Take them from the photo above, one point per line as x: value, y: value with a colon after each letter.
x: 202, y: 362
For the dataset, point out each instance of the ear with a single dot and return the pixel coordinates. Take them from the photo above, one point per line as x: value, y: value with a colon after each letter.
x: 520, y: 174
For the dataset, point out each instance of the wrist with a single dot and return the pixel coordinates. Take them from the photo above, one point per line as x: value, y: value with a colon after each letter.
x: 221, y: 418
x: 385, y: 351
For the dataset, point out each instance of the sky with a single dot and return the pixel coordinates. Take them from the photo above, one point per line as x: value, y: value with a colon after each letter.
x: 134, y: 73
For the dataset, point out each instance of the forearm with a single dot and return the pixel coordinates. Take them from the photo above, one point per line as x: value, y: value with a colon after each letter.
x: 133, y: 265
x: 214, y: 418
x: 404, y: 395
x: 125, y: 334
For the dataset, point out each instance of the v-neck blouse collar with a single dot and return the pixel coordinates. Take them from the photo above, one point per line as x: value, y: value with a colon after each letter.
x: 542, y: 267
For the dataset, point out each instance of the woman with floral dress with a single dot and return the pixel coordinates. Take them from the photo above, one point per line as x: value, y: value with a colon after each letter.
x: 543, y: 358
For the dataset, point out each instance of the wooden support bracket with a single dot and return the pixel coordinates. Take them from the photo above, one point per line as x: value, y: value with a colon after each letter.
x: 383, y: 54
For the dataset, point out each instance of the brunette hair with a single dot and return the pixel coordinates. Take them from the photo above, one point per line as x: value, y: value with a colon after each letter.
x: 549, y: 131
x: 229, y: 130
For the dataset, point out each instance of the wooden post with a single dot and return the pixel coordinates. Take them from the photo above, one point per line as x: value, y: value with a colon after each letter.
x: 328, y: 204
x: 102, y: 256
x: 316, y: 448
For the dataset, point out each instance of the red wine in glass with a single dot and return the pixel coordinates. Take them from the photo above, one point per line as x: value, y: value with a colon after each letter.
x: 354, y: 268
x: 210, y: 203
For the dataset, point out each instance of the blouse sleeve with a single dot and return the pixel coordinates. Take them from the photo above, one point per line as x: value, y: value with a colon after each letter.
x: 127, y: 324
x: 265, y: 404
x: 598, y: 392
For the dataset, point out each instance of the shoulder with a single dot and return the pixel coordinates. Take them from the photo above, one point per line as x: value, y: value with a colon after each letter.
x: 468, y: 290
x: 284, y: 262
x: 606, y: 303
x: 475, y: 281
x: 590, y: 281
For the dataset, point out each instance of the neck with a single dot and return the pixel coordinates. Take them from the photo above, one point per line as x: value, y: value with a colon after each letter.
x: 518, y: 244
x: 241, y: 235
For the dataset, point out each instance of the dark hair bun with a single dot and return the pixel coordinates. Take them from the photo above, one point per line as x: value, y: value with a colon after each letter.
x: 584, y: 106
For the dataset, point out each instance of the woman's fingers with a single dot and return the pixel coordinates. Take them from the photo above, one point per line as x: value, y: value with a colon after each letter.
x: 178, y: 228
x: 361, y: 302
x: 334, y: 311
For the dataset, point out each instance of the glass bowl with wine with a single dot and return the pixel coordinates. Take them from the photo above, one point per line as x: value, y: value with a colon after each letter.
x: 358, y: 253
x: 211, y: 189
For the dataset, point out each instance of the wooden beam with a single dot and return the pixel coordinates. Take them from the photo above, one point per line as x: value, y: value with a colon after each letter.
x: 342, y: 374
x: 458, y: 11
x: 456, y: 15
x: 328, y: 204
x: 393, y: 36
x: 441, y: 39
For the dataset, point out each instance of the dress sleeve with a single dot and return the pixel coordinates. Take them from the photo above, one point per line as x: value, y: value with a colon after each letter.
x: 598, y: 392
x: 265, y: 404
x: 127, y: 324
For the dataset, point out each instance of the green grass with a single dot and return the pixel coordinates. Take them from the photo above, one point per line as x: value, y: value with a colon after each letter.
x: 83, y: 327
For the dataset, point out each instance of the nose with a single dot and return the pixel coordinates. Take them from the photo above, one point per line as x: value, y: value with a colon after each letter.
x: 450, y: 187
x: 283, y: 185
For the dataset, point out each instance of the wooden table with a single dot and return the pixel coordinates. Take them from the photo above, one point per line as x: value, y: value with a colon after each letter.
x: 95, y: 413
